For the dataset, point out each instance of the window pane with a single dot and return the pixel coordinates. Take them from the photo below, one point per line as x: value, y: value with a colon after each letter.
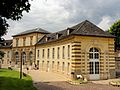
x: 96, y: 55
x: 91, y: 55
x: 96, y: 50
x: 96, y: 67
x: 91, y: 68
x: 91, y: 50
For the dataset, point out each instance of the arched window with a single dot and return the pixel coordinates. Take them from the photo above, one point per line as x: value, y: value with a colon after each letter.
x: 24, y: 58
x: 16, y: 57
x: 31, y: 57
x: 94, y: 53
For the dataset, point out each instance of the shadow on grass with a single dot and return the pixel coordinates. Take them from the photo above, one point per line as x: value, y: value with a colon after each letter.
x: 2, y: 70
x: 8, y: 83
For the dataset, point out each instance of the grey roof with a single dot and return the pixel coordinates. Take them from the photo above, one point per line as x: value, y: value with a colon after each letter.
x: 6, y: 44
x: 85, y: 28
x: 36, y: 30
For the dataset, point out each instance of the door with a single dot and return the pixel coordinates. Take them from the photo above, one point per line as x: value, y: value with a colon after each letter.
x: 94, y: 64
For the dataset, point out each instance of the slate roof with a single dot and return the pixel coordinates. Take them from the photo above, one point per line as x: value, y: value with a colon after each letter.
x: 36, y: 30
x: 85, y: 28
x: 6, y: 44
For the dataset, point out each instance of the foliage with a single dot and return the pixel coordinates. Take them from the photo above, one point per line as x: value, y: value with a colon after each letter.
x: 9, y: 80
x: 11, y: 9
x: 115, y: 30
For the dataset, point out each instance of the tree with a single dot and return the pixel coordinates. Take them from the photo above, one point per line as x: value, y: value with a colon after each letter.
x: 11, y: 9
x: 115, y: 30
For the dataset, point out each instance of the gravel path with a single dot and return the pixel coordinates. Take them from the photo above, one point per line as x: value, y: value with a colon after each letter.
x: 54, y: 81
x: 67, y: 86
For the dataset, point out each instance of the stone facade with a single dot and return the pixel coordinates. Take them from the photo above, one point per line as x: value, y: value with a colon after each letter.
x: 83, y: 49
x: 24, y: 49
x: 6, y: 47
x: 78, y: 62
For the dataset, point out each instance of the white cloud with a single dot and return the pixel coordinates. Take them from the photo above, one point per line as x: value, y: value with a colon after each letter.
x: 54, y: 15
x: 105, y: 23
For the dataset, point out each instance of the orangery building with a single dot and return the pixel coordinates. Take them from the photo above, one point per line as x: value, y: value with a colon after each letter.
x: 83, y: 49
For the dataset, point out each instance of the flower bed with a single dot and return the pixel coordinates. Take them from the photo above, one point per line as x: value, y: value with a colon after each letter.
x: 77, y: 82
x: 115, y: 83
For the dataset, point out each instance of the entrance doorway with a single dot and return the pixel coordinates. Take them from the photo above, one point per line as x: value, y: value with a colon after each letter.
x: 94, y: 64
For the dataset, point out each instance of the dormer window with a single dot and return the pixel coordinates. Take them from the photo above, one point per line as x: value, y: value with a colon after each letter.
x: 69, y: 30
x: 58, y: 35
x: 47, y: 38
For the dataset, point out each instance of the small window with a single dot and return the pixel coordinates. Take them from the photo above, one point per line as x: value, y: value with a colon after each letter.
x: 68, y: 68
x: 63, y: 52
x: 68, y: 51
x: 8, y: 54
x: 31, y: 40
x: 53, y: 53
x: 43, y: 53
x: 48, y: 55
x: 42, y: 64
x: 17, y: 41
x: 17, y: 57
x: 24, y: 41
x: 38, y: 53
x: 31, y: 58
x: 63, y: 67
x: 58, y: 53
x: 52, y: 64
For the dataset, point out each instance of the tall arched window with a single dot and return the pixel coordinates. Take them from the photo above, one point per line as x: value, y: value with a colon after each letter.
x: 24, y: 58
x: 31, y: 57
x: 16, y: 57
x: 94, y: 63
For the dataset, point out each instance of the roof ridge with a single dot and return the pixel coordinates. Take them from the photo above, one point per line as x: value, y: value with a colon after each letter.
x: 81, y: 25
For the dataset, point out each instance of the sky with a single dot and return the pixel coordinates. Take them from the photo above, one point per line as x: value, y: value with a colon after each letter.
x: 56, y: 15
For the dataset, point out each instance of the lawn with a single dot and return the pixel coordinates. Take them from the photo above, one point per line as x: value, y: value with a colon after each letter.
x: 9, y: 80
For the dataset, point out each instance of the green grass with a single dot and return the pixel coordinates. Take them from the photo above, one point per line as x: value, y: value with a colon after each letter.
x: 9, y: 80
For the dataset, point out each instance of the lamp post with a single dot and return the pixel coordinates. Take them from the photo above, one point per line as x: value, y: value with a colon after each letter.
x: 21, y: 67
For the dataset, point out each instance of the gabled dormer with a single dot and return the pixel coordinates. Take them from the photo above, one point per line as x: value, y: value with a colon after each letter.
x: 58, y: 35
x: 69, y: 31
x: 47, y: 38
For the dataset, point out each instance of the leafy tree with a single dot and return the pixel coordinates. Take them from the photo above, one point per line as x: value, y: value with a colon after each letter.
x: 11, y: 9
x: 115, y: 30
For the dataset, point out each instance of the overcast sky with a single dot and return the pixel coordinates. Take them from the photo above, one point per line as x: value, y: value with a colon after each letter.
x: 56, y: 15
